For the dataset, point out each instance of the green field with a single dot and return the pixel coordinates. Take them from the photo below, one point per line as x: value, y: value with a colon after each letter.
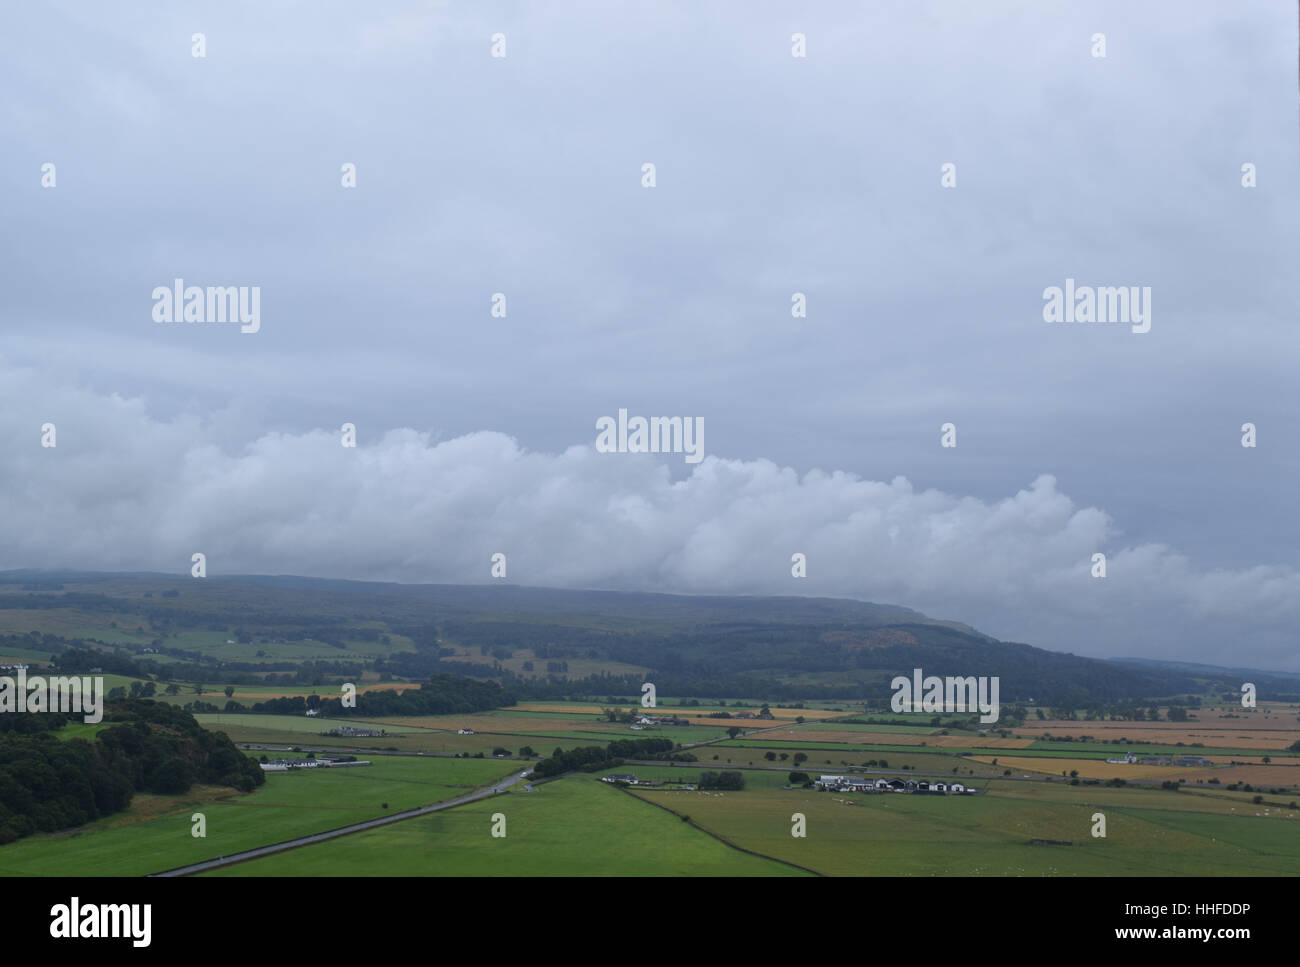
x: 155, y: 834
x: 571, y: 827
x: 990, y: 834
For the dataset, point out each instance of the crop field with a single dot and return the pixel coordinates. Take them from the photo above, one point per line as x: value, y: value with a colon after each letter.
x: 569, y: 827
x: 1088, y: 768
x: 587, y: 730
x: 1270, y: 775
x: 1274, y: 727
x: 155, y: 833
x: 993, y: 834
x: 824, y: 736
x: 299, y: 725
x: 1279, y: 775
x: 693, y: 712
x: 1204, y: 799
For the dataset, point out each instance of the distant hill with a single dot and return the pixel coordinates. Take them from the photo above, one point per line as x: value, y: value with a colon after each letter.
x: 1281, y: 686
x: 772, y: 647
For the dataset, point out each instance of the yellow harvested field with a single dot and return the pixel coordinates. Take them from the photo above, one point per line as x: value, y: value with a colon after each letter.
x: 1277, y: 718
x: 1088, y: 768
x: 921, y: 737
x: 1256, y: 775
x: 1221, y: 735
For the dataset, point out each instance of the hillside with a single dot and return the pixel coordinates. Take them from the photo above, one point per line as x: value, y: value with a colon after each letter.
x: 541, y: 640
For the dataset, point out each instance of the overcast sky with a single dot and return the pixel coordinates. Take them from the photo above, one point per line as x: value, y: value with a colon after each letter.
x: 774, y: 175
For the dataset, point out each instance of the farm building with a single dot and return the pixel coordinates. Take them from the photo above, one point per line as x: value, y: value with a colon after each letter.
x: 860, y: 784
x: 627, y: 777
x: 324, y: 761
x: 845, y: 783
x: 284, y: 765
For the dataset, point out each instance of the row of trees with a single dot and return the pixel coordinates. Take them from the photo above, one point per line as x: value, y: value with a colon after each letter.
x: 440, y: 695
x: 593, y: 758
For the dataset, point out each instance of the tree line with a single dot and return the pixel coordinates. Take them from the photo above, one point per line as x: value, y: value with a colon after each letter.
x: 440, y: 695
x: 593, y: 758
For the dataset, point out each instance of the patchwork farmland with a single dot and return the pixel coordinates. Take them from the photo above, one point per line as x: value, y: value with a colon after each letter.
x: 720, y: 780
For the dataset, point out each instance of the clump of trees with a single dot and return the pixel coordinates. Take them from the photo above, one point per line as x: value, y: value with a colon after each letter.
x: 48, y: 784
x: 593, y: 758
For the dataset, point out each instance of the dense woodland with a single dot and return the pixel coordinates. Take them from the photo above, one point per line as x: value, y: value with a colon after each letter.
x: 48, y: 783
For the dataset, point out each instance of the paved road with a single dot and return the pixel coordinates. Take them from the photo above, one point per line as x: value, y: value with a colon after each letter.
x: 344, y: 830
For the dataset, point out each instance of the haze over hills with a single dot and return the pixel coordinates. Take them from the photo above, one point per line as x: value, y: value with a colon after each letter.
x: 780, y: 647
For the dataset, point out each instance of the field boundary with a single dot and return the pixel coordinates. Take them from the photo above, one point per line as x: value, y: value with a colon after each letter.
x: 720, y: 838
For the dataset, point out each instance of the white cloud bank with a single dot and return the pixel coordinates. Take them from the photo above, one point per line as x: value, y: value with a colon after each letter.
x: 123, y: 490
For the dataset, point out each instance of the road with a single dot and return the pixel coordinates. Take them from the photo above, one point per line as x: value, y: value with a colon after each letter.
x: 492, y: 790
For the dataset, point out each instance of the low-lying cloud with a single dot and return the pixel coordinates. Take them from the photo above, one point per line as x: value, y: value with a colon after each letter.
x: 124, y: 490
